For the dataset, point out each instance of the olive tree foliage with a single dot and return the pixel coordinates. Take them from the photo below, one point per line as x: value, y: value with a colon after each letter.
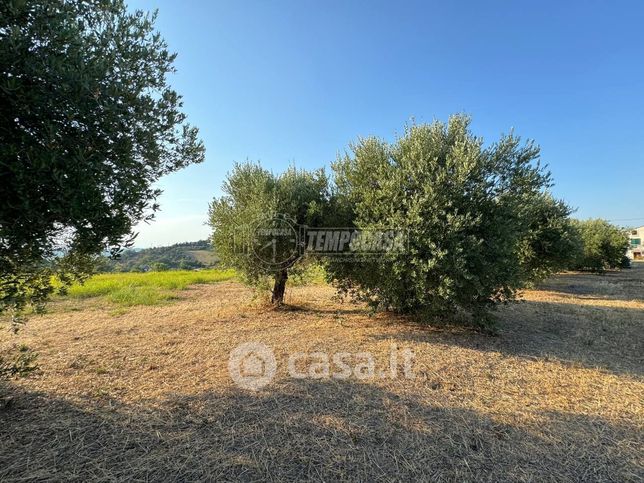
x: 603, y: 245
x: 88, y: 123
x: 551, y: 241
x: 255, y: 200
x: 480, y: 222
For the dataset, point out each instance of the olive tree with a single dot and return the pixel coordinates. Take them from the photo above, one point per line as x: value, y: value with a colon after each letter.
x: 481, y: 224
x: 257, y: 220
x: 88, y: 124
x: 551, y: 242
x: 603, y: 245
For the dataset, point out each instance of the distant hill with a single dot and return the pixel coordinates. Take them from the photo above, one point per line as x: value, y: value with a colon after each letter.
x: 181, y: 256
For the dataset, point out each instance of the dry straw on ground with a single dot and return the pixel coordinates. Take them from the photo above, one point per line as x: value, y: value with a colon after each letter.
x: 145, y: 395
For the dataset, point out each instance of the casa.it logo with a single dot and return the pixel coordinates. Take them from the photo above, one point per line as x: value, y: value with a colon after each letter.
x: 252, y: 365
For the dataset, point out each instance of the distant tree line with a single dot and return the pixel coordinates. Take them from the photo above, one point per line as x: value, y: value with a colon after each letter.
x: 179, y: 256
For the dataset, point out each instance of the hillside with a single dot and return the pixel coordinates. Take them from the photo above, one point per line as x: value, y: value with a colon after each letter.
x: 181, y: 256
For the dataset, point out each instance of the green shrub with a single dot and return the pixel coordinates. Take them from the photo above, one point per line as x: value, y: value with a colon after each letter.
x: 551, y: 242
x: 311, y: 273
x: 603, y: 245
x: 159, y: 267
x: 18, y: 361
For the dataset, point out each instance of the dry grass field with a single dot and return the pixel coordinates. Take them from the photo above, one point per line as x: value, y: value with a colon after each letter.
x: 145, y: 394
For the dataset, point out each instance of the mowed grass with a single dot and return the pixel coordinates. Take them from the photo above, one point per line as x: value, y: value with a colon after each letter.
x: 147, y: 394
x: 149, y: 288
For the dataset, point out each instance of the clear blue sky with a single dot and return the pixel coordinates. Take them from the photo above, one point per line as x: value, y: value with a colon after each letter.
x: 294, y: 82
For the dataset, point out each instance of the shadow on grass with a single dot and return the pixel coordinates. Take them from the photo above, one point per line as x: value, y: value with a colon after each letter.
x: 607, y: 338
x: 590, y: 335
x: 305, y: 429
x: 625, y: 285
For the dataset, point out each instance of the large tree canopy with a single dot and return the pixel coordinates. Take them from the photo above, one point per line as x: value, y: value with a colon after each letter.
x: 481, y: 223
x: 88, y: 122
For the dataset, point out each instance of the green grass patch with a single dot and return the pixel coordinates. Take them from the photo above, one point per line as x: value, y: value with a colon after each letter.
x: 149, y: 288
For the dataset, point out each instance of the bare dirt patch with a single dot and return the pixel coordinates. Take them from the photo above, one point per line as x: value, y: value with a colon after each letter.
x: 146, y: 394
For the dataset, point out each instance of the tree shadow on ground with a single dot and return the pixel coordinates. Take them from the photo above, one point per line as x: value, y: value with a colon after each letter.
x: 304, y: 429
x: 568, y: 329
x: 607, y: 338
x: 625, y: 285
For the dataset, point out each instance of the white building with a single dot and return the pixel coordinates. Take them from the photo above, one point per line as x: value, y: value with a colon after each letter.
x: 636, y: 250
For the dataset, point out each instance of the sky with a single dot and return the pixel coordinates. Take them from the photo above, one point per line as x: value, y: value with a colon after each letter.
x: 295, y: 82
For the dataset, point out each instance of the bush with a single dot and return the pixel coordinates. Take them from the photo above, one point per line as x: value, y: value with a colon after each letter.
x: 481, y: 225
x: 159, y: 267
x: 19, y: 361
x: 551, y: 242
x: 603, y: 246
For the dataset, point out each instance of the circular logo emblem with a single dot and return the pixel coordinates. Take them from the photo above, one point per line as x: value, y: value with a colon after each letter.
x: 252, y: 365
x: 276, y: 241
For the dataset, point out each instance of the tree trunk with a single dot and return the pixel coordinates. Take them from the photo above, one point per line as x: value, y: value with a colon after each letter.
x: 279, y: 288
